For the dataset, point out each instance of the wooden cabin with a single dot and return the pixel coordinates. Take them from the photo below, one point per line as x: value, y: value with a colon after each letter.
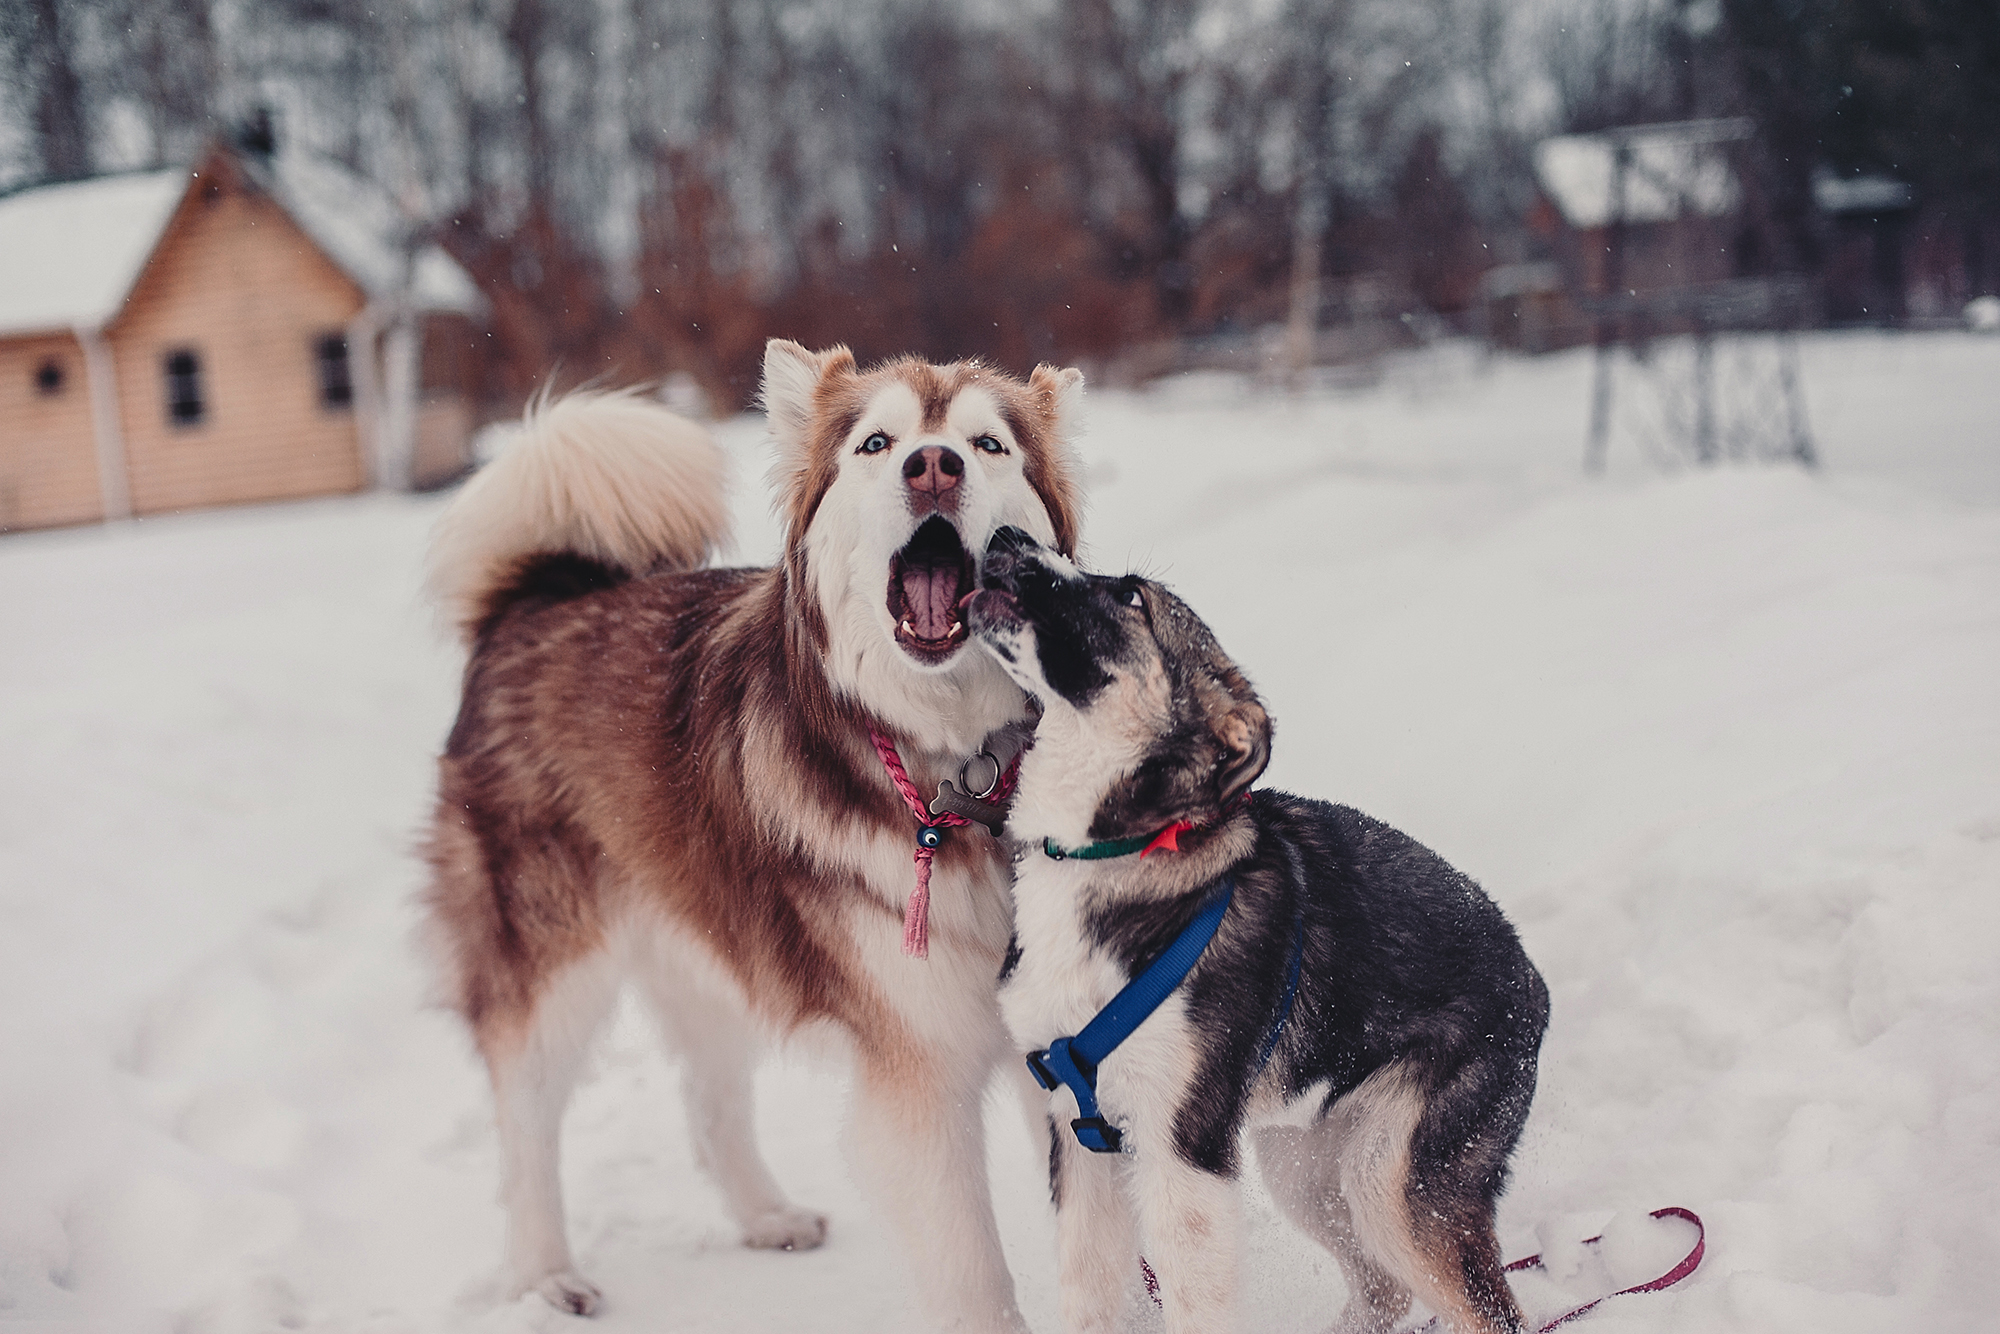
x: 246, y: 330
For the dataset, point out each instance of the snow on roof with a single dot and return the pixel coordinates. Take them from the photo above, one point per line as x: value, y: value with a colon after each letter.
x: 1674, y: 171
x: 1872, y: 193
x: 69, y: 254
x: 358, y: 226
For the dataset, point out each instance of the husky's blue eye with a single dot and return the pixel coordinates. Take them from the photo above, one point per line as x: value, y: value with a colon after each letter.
x: 989, y: 444
x: 875, y: 444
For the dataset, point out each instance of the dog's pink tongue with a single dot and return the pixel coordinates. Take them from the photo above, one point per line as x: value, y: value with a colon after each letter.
x: 932, y: 594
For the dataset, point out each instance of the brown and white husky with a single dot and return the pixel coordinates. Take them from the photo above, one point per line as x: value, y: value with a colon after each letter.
x: 663, y: 773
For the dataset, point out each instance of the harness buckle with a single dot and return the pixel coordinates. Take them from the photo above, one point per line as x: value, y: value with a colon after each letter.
x: 1060, y: 1064
x: 1097, y: 1134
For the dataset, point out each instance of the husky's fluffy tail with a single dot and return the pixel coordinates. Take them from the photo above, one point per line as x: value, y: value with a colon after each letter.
x: 610, y: 477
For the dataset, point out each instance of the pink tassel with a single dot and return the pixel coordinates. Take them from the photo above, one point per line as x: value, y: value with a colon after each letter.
x: 917, y: 916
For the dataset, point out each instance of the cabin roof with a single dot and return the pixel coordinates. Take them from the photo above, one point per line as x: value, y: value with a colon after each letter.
x: 1676, y: 170
x: 358, y: 226
x: 71, y: 253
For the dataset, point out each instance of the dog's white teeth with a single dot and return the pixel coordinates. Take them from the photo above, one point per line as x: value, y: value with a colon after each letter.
x: 957, y: 629
x: 907, y: 628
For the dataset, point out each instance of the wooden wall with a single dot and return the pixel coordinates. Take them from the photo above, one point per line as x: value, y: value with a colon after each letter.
x: 235, y: 280
x: 1659, y: 255
x: 443, y: 447
x: 48, y: 449
x: 449, y: 382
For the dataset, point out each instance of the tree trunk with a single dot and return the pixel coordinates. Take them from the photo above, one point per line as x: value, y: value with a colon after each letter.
x: 62, y: 129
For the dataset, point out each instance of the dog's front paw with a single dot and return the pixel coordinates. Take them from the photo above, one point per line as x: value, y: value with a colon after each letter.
x: 570, y: 1292
x: 788, y: 1229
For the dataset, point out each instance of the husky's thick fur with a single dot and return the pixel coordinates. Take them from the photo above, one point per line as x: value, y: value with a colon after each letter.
x: 1386, y: 1108
x: 663, y: 773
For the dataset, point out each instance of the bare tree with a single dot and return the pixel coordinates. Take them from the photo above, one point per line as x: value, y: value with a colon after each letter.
x: 170, y: 54
x: 1126, y: 67
x: 1607, y: 62
x: 42, y: 42
x: 639, y: 181
x: 1306, y: 83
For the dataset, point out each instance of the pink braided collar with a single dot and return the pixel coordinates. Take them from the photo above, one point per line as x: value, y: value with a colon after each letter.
x: 930, y: 833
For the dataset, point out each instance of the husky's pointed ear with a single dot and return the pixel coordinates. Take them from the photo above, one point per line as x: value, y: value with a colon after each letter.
x: 791, y: 375
x: 1245, y: 734
x: 1051, y: 459
x: 1062, y: 391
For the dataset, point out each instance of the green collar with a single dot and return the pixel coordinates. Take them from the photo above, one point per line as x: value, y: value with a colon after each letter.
x: 1090, y: 852
x: 1166, y: 840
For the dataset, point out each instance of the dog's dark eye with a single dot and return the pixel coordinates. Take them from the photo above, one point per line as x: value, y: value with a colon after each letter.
x: 989, y: 444
x: 1134, y: 599
x: 874, y: 444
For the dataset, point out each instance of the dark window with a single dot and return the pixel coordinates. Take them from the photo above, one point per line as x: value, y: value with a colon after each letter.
x: 49, y: 378
x: 336, y: 381
x: 184, y: 401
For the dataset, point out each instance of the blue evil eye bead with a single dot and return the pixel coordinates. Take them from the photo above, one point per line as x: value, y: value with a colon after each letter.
x: 929, y: 836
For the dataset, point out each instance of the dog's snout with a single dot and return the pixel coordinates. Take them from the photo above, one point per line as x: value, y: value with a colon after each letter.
x: 1004, y: 556
x: 933, y: 468
x: 1010, y: 540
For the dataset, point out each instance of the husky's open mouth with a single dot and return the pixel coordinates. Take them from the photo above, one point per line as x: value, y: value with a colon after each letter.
x: 928, y: 579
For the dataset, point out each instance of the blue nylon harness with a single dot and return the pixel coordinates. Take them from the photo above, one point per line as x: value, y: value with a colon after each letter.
x: 1073, y: 1061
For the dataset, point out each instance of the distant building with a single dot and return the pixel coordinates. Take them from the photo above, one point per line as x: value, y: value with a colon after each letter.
x: 1648, y: 238
x: 249, y: 330
x: 1526, y: 307
x: 1620, y: 215
x: 1867, y: 238
x: 1670, y: 193
x: 1641, y: 213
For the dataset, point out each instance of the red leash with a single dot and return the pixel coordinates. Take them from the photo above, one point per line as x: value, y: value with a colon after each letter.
x: 1688, y: 1264
x: 930, y: 833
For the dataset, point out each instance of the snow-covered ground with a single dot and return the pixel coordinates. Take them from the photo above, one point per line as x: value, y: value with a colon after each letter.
x: 1726, y: 744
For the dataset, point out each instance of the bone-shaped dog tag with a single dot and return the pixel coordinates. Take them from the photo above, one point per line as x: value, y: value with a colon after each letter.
x: 949, y: 798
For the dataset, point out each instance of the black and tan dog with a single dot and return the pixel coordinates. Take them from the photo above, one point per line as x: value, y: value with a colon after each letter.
x: 1363, y: 1009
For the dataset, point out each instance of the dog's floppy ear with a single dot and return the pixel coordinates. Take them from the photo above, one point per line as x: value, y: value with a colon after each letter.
x: 791, y: 375
x: 1245, y: 734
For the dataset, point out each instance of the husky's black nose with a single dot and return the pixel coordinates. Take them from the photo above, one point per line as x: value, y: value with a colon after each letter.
x: 1003, y: 557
